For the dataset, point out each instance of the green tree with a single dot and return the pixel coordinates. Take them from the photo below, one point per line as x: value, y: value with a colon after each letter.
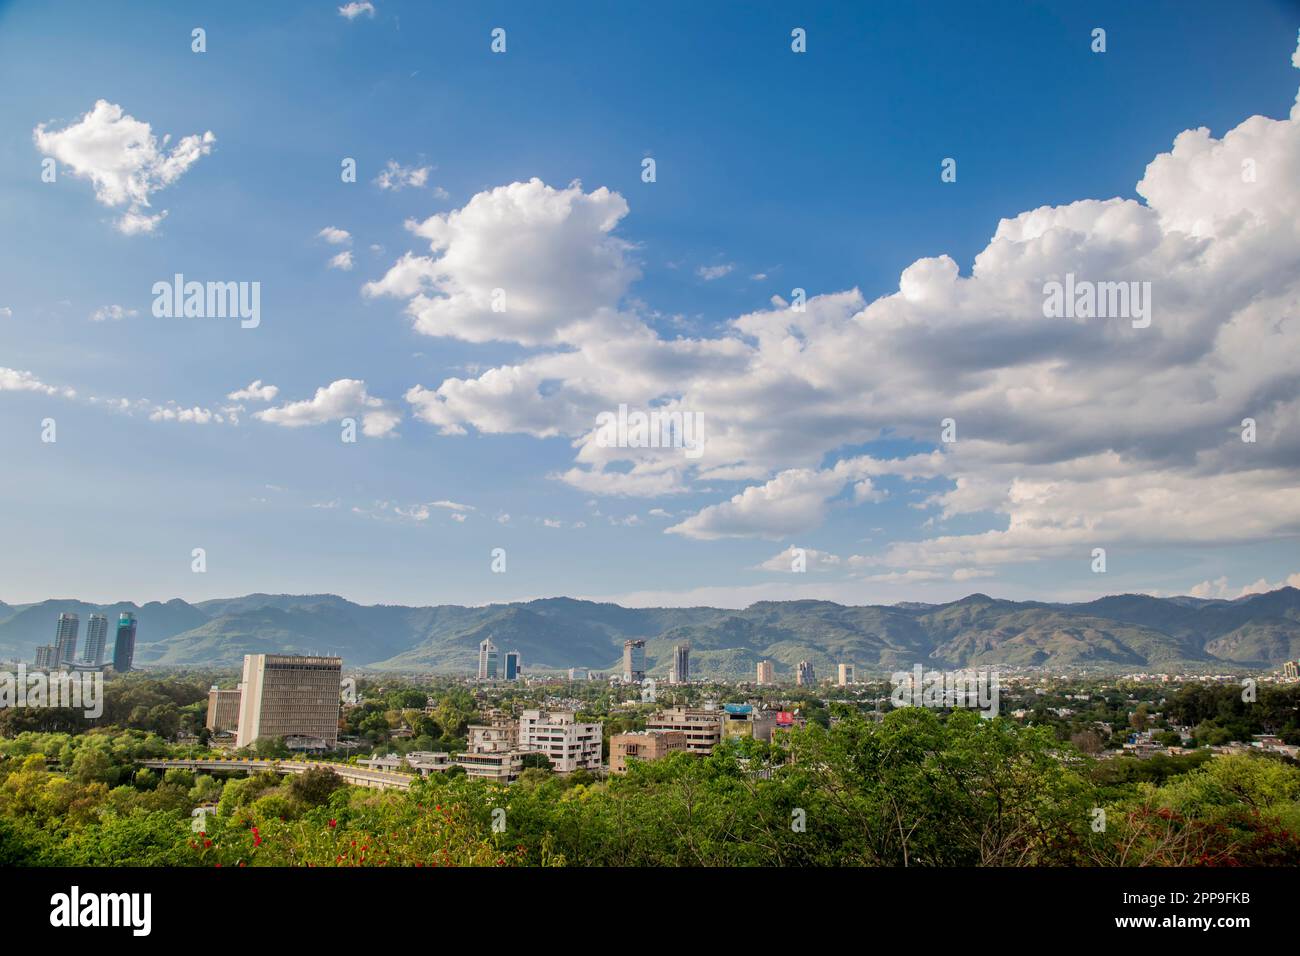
x: 315, y: 786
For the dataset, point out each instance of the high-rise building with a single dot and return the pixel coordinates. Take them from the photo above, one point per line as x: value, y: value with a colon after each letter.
x: 223, y: 710
x: 124, y: 647
x: 487, y: 660
x: 568, y: 744
x: 765, y: 673
x: 805, y: 677
x: 65, y: 640
x: 45, y: 656
x: 703, y: 728
x: 633, y: 661
x: 512, y: 665
x: 96, y: 639
x: 290, y: 696
x: 846, y: 675
x: 1291, y: 670
x: 681, y: 672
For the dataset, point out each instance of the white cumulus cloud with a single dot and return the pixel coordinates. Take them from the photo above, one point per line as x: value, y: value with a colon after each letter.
x: 15, y: 380
x: 1072, y: 433
x: 344, y: 398
x: 394, y: 176
x: 354, y: 9
x: 255, y: 392
x: 524, y: 263
x: 112, y: 312
x: 123, y: 160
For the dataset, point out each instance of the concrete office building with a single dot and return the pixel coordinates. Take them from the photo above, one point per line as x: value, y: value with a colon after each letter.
x: 512, y: 665
x: 703, y: 728
x: 633, y: 661
x: 487, y: 660
x: 223, y: 710
x: 96, y: 639
x: 765, y: 673
x: 805, y: 677
x: 846, y: 675
x: 65, y: 639
x: 681, y: 669
x: 291, y: 696
x: 645, y: 745
x: 566, y: 743
x: 1291, y: 670
x: 124, y: 646
x: 504, y: 767
x: 45, y: 656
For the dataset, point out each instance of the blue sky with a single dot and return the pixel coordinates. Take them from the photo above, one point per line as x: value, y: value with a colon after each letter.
x: 774, y: 170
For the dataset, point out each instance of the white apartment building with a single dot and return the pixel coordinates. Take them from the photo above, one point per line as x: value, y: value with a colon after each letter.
x: 499, y: 735
x: 494, y: 752
x: 502, y: 767
x: 566, y: 743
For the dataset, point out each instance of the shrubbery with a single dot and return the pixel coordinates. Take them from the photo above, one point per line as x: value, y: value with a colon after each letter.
x: 916, y: 788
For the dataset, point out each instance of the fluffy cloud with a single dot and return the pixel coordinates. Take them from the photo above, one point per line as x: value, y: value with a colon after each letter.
x: 394, y: 176
x: 344, y: 398
x: 123, y: 160
x: 113, y: 312
x: 793, y: 501
x: 342, y: 261
x: 709, y: 273
x: 255, y: 392
x: 785, y: 561
x: 521, y: 263
x: 14, y: 380
x: 355, y: 9
x: 334, y: 236
x: 1072, y: 433
x: 1220, y: 588
x: 194, y: 416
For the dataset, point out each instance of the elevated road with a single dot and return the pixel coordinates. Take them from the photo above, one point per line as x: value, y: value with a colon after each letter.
x: 360, y: 776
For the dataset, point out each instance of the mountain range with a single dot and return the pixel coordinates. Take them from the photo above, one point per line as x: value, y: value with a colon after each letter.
x: 1127, y: 630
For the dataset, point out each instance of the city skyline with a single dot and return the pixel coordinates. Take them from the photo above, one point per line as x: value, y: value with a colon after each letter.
x: 207, y: 453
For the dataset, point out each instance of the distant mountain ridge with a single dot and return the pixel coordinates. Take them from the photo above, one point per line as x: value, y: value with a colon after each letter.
x: 553, y: 633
